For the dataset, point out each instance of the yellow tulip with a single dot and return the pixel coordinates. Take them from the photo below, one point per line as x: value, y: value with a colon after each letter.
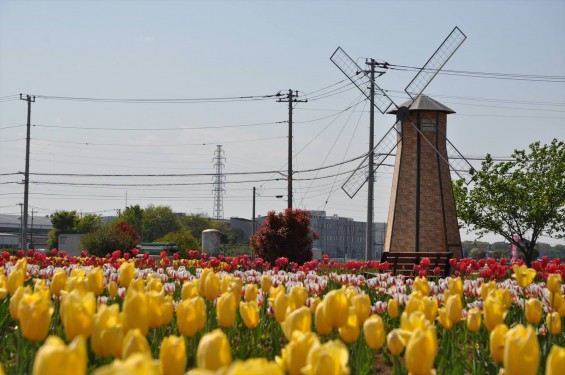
x: 58, y: 282
x: 135, y: 311
x: 249, y: 312
x: 126, y: 273
x: 314, y: 302
x: 554, y: 282
x: 298, y: 320
x: 534, y: 310
x: 504, y: 297
x: 362, y: 305
x: 443, y: 318
x: 154, y: 284
x: 103, y: 342
x: 421, y: 351
x: 297, y: 297
x: 211, y: 285
x: 421, y: 285
x: 497, y: 342
x: 77, y: 313
x: 555, y: 361
x: 137, y: 363
x: 337, y: 308
x: 232, y: 284
x: 524, y: 275
x: 349, y: 333
x: 3, y: 286
x: 15, y: 300
x: 172, y: 356
x: 323, y: 327
x: 431, y: 308
x: 189, y: 289
x: 521, y: 351
x: 395, y: 342
x: 213, y: 351
x: 254, y: 366
x: 191, y: 316
x: 2, y: 367
x: 251, y: 292
x: 454, y: 308
x: 137, y: 284
x: 34, y: 312
x: 265, y: 283
x: 80, y: 283
x: 392, y: 308
x: 415, y: 303
x: 15, y: 280
x: 556, y: 300
x: 374, y: 331
x: 135, y: 342
x: 274, y: 292
x: 295, y: 353
x: 553, y: 323
x: 112, y: 289
x: 225, y: 310
x: 280, y: 306
x: 329, y: 358
x: 95, y: 280
x: 56, y: 358
x: 413, y: 321
x: 473, y: 319
x: 493, y: 313
x: 455, y: 285
x: 159, y: 309
x: 486, y: 288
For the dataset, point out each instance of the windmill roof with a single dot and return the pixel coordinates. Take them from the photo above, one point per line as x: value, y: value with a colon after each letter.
x: 424, y: 103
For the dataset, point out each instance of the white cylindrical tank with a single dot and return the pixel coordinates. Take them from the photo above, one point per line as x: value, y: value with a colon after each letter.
x: 211, y: 242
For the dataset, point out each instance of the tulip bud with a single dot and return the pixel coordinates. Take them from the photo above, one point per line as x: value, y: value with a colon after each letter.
x: 524, y: 275
x: 154, y: 284
x: 486, y: 288
x: 374, y: 332
x: 294, y: 354
x: 265, y: 283
x: 135, y: 311
x: 323, y: 327
x: 362, y: 306
x: 159, y: 309
x: 211, y: 285
x: 135, y: 342
x: 225, y: 309
x: 473, y: 319
x: 58, y: 282
x: 443, y: 318
x: 280, y: 306
x: 126, y: 274
x: 297, y: 297
x: 54, y: 357
x: 314, y: 302
x: 534, y: 310
x: 554, y: 283
x: 15, y: 280
x: 493, y: 313
x: 392, y: 308
x: 189, y: 290
x: 337, y: 307
x: 431, y: 308
x: 95, y: 280
x: 137, y: 363
x: 454, y: 308
x: 421, y: 285
x: 112, y: 289
x: 497, y: 342
x: 103, y: 342
x: 172, y: 356
x: 349, y: 332
x: 34, y: 312
x: 251, y: 292
x: 15, y: 300
x: 77, y: 313
x: 329, y: 358
x: 455, y: 286
x: 555, y: 361
x: 298, y: 320
x: 249, y: 312
x: 521, y: 351
x: 213, y: 351
x: 191, y: 316
x: 3, y: 286
x: 395, y: 342
x: 553, y: 323
x: 421, y: 351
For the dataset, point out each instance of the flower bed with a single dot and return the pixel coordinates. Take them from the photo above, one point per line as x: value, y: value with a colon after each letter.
x: 131, y: 313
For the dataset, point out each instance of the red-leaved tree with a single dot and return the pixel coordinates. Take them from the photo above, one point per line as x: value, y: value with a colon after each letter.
x: 285, y: 234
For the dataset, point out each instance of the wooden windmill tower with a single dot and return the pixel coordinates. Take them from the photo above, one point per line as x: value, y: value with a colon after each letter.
x: 422, y: 216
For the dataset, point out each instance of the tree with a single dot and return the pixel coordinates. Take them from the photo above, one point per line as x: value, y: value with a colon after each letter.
x: 525, y: 196
x: 158, y: 221
x: 285, y: 234
x: 196, y: 223
x: 133, y: 216
x: 63, y: 222
x: 88, y: 223
x: 184, y: 239
x: 115, y: 235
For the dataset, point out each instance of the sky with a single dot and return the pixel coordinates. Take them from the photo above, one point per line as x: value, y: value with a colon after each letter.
x: 153, y: 87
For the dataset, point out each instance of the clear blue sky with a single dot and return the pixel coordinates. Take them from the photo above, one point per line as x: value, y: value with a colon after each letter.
x: 213, y: 49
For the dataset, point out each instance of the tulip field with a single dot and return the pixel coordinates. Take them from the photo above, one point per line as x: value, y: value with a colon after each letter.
x: 129, y: 313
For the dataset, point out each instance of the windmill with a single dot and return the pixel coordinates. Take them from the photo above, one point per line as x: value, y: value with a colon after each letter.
x: 422, y: 214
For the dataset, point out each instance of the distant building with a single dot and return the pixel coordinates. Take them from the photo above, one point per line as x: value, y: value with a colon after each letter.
x: 10, y: 227
x: 342, y: 238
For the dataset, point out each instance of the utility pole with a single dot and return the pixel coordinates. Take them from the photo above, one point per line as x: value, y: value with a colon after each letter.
x: 29, y: 99
x: 290, y: 98
x: 21, y: 224
x: 371, y: 178
x: 253, y: 214
x: 31, y: 232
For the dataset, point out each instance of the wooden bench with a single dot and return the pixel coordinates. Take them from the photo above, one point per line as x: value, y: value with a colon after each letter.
x: 403, y: 262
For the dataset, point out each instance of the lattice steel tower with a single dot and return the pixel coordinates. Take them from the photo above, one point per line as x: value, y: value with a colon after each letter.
x: 218, y: 212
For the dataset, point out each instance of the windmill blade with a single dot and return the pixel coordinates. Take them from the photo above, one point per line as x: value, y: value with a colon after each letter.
x: 457, y: 163
x: 360, y: 79
x: 382, y: 150
x: 423, y: 78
